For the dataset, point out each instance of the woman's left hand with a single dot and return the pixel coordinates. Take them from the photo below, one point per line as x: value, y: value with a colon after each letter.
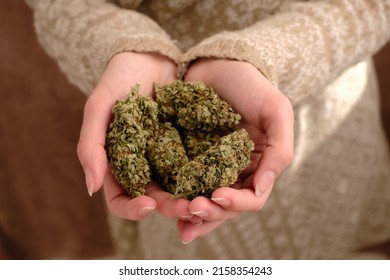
x: 268, y: 117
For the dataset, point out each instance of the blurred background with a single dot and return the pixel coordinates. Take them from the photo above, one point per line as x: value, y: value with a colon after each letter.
x: 45, y: 210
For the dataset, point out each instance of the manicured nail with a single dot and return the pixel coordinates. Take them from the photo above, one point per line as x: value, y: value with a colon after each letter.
x: 198, y: 223
x: 89, y: 181
x: 187, y: 242
x: 265, y: 181
x: 201, y: 214
x: 146, y: 210
x: 186, y: 217
x: 221, y: 201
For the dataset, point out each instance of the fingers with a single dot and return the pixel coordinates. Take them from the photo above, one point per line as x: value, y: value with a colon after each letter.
x: 170, y: 207
x: 209, y: 210
x: 90, y: 149
x: 188, y: 231
x: 226, y: 203
x: 278, y: 153
x: 167, y: 205
x: 121, y: 205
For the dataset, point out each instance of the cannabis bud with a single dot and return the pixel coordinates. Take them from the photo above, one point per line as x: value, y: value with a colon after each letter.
x: 184, y: 140
x: 195, y: 106
x: 126, y: 141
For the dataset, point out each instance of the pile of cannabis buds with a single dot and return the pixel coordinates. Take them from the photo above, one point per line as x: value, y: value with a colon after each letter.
x: 184, y: 139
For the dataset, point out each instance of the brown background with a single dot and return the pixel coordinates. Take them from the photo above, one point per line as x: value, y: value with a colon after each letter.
x: 40, y: 118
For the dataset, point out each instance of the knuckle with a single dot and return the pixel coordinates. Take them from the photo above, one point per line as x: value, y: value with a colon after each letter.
x: 80, y: 150
x: 259, y: 205
x: 113, y: 210
x: 90, y: 104
x: 287, y: 158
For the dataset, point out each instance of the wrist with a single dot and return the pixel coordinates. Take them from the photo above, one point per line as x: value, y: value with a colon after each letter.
x: 214, y: 71
x: 146, y: 59
x: 129, y: 68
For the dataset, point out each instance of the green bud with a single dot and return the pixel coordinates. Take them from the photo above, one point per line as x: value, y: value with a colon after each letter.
x: 184, y: 140
x: 197, y: 142
x: 126, y: 145
x: 218, y: 166
x: 167, y: 155
x: 194, y: 105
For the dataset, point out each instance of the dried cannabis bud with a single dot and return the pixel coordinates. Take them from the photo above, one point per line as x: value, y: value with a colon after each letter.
x: 146, y: 137
x: 197, y: 142
x: 195, y: 106
x: 126, y: 142
x: 218, y: 166
x: 167, y: 155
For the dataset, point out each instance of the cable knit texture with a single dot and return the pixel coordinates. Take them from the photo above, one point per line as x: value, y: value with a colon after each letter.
x: 335, y: 197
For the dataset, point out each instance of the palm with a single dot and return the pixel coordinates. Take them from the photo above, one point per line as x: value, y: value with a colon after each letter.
x: 267, y: 116
x: 252, y: 96
x: 123, y: 71
x: 259, y: 139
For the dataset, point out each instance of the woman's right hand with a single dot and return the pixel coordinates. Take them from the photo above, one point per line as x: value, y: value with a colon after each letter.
x: 123, y: 71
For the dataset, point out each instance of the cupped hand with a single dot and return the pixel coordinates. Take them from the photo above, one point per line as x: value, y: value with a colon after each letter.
x: 268, y: 117
x: 122, y: 72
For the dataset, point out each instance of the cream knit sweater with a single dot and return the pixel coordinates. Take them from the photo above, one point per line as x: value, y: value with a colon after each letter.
x: 335, y: 197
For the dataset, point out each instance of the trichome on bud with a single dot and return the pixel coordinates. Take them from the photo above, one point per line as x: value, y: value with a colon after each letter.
x: 184, y: 140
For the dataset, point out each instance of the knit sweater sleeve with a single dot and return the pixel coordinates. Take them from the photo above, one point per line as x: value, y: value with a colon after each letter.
x: 306, y: 44
x: 82, y: 36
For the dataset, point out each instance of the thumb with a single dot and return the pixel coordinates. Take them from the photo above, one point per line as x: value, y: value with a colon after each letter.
x: 270, y: 167
x: 90, y: 148
x: 94, y: 163
x: 278, y: 153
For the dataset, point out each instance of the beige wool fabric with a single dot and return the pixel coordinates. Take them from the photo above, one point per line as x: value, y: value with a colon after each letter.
x: 335, y: 197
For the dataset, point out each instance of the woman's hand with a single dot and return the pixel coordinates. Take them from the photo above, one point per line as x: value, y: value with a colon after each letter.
x: 123, y: 72
x: 268, y: 117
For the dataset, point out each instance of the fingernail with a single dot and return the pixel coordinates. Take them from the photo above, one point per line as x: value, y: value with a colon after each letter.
x: 187, y: 242
x: 146, y: 210
x: 89, y: 181
x: 265, y: 181
x: 186, y: 217
x: 201, y: 214
x: 221, y: 201
x: 197, y: 223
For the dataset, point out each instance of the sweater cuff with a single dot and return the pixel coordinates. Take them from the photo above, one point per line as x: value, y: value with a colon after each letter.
x: 305, y: 46
x: 227, y: 45
x: 285, y: 49
x: 83, y: 38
